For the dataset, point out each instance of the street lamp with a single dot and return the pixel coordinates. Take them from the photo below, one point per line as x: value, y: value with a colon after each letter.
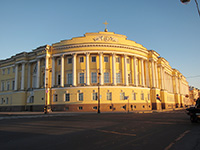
x: 187, y: 1
x: 99, y: 73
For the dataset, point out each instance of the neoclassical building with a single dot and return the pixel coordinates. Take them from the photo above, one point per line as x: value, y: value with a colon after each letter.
x: 102, y: 71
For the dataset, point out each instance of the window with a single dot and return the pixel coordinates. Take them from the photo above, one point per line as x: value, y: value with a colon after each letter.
x: 106, y: 77
x: 133, y: 96
x: 6, y: 100
x: 117, y: 59
x: 13, y: 84
x: 69, y: 60
x: 59, y: 61
x: 81, y: 59
x: 94, y: 96
x: 148, y: 96
x: 81, y: 78
x: 69, y: 78
x: 109, y: 96
x: 105, y: 59
x: 142, y: 96
x: 3, y: 71
x: 31, y: 100
x: 128, y: 60
x: 8, y: 85
x: 80, y: 96
x: 55, y: 97
x: 67, y: 97
x: 13, y: 69
x: 93, y: 58
x: 1, y: 100
x: 94, y: 77
x: 122, y: 95
x: 59, y: 78
x: 80, y: 108
x: 118, y: 77
x: 129, y: 78
x: 8, y: 70
x: 2, y: 86
x: 95, y: 107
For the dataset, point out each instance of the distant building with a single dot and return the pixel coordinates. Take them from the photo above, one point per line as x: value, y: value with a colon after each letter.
x: 194, y: 93
x: 67, y: 74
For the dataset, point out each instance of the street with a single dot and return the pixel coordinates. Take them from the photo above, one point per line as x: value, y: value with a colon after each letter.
x: 113, y: 131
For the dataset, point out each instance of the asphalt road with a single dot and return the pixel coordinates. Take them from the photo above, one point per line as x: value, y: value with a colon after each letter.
x: 110, y: 131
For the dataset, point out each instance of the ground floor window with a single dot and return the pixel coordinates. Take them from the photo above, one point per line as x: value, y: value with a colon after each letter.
x: 94, y: 96
x: 80, y: 96
x: 55, y: 97
x: 67, y: 97
x: 109, y: 96
x: 122, y: 96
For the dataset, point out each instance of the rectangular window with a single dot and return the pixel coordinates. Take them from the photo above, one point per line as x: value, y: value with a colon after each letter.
x: 142, y: 96
x: 93, y: 58
x: 69, y: 60
x: 81, y: 59
x: 133, y: 96
x: 59, y: 61
x: 94, y: 77
x: 67, y: 97
x: 109, y: 96
x: 59, y: 78
x: 117, y: 59
x: 69, y: 78
x: 55, y: 97
x: 106, y: 77
x: 129, y: 78
x: 13, y: 69
x: 81, y: 78
x: 118, y: 77
x: 80, y: 96
x: 105, y: 59
x: 128, y: 61
x: 2, y: 86
x: 8, y: 70
x: 1, y: 100
x: 13, y: 85
x: 6, y: 100
x: 122, y: 95
x: 3, y: 71
x: 94, y: 96
x: 8, y: 85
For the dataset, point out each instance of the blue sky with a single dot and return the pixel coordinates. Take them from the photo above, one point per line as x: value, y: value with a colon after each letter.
x: 166, y: 26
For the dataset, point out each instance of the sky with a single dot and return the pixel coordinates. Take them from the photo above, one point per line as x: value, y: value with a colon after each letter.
x: 166, y: 26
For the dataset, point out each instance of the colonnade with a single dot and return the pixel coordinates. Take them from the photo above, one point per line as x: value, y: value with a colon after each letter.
x: 139, y: 70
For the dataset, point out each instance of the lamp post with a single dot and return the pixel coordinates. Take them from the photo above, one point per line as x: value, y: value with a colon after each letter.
x: 99, y: 73
x: 187, y: 1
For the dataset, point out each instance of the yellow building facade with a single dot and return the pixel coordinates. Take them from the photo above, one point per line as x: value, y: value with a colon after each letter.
x: 101, y: 69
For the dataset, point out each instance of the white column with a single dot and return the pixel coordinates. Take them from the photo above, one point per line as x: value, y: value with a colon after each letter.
x: 101, y: 68
x: 38, y: 74
x: 29, y: 76
x: 46, y: 78
x: 113, y: 69
x: 153, y: 73
x: 74, y: 69
x: 87, y: 69
x: 62, y: 71
x: 16, y: 76
x: 142, y: 70
x: 23, y: 72
x: 147, y: 73
x: 156, y: 70
x: 135, y: 72
x: 125, y: 71
x: 53, y: 72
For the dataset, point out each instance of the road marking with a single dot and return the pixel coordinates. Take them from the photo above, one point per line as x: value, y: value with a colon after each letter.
x: 177, y: 139
x: 119, y: 133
